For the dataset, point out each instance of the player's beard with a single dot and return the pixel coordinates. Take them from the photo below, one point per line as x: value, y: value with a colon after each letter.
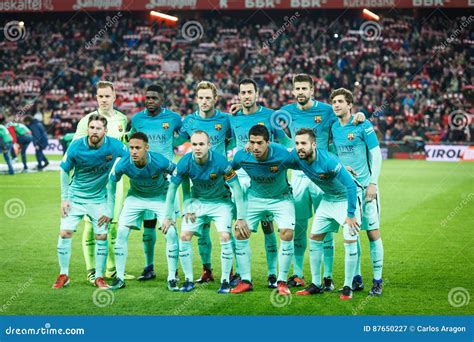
x: 96, y: 140
x: 307, y: 155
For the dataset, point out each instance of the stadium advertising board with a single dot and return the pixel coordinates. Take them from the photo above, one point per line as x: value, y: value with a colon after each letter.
x: 144, y: 5
x: 452, y: 153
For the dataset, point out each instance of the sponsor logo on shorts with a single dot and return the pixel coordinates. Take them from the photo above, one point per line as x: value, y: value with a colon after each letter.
x: 371, y: 224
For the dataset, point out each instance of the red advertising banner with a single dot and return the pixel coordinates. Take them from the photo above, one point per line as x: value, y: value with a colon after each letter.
x: 146, y: 5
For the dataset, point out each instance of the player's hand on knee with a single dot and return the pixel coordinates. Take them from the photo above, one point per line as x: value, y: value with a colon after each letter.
x: 167, y: 223
x: 371, y: 192
x: 190, y: 217
x: 353, y: 225
x: 103, y: 220
x: 65, y: 208
x: 351, y: 171
x: 358, y: 118
x: 243, y: 228
x: 235, y: 108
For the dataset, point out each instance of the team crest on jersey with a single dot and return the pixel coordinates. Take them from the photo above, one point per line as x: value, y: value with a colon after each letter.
x: 323, y: 176
x: 213, y: 176
x: 274, y: 168
x: 218, y: 127
x: 120, y: 128
x: 350, y: 136
x: 317, y: 118
x: 260, y: 123
x: 108, y: 158
x: 155, y: 176
x: 166, y: 125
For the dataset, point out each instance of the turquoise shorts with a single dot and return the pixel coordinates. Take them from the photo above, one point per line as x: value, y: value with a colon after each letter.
x: 281, y: 209
x: 330, y: 215
x: 307, y: 195
x: 93, y: 211
x: 206, y: 212
x: 119, y: 196
x: 135, y: 208
x: 371, y: 213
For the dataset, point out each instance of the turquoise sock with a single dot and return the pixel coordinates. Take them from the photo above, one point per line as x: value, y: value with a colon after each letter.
x: 186, y: 257
x: 243, y: 255
x: 301, y: 242
x: 205, y: 246
x: 315, y: 260
x: 285, y: 256
x: 227, y: 256
x: 121, y: 251
x: 64, y: 254
x: 350, y: 262
x: 328, y: 255
x: 149, y: 240
x: 376, y: 254
x: 232, y: 241
x: 101, y: 251
x: 357, y: 270
x: 172, y: 252
x: 271, y: 249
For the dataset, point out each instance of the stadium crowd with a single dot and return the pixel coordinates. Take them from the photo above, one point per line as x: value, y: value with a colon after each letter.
x: 407, y: 74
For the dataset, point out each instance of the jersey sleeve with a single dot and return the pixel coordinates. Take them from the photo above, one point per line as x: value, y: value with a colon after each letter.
x: 118, y: 170
x: 292, y: 161
x: 181, y: 171
x: 369, y: 136
x: 229, y: 173
x: 167, y: 166
x: 178, y: 123
x: 68, y: 162
x: 183, y: 131
x: 235, y: 164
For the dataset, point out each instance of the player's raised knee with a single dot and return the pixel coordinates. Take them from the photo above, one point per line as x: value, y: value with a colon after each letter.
x: 65, y: 234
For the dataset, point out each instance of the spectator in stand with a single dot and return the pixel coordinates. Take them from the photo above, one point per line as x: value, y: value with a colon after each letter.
x: 40, y: 140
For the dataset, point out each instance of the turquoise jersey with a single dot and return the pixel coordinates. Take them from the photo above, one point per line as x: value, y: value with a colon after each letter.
x: 319, y: 118
x: 217, y: 126
x: 327, y: 172
x: 353, y: 143
x: 91, y: 168
x: 242, y: 123
x: 149, y: 181
x: 208, y: 179
x: 160, y: 130
x: 268, y: 179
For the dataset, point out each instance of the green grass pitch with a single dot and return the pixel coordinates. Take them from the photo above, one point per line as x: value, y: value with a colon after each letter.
x: 426, y: 228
